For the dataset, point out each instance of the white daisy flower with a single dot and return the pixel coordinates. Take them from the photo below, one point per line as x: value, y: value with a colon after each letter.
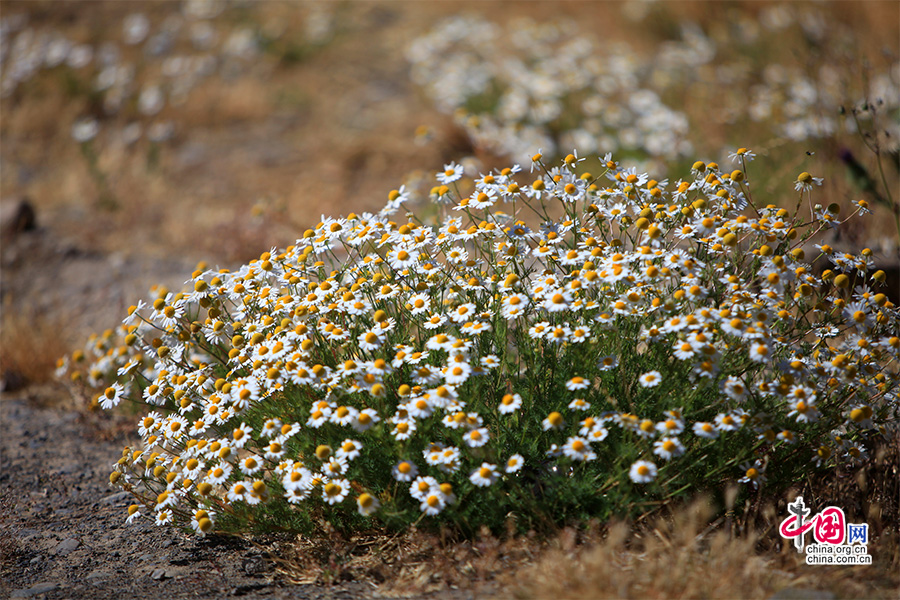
x: 112, y: 396
x: 668, y: 448
x: 477, y: 438
x: 805, y: 182
x: 754, y: 473
x: 433, y: 503
x: 607, y: 363
x: 405, y: 471
x: 642, y: 471
x: 509, y: 404
x: 365, y: 420
x: 579, y: 404
x: 553, y: 421
x: 404, y: 429
x: 239, y: 491
x: 578, y: 449
x: 349, y: 449
x: 452, y: 172
x: 577, y: 383
x: 514, y: 463
x: 219, y: 473
x: 650, y: 379
x: 598, y: 433
x: 335, y: 490
x: 367, y: 504
x: 485, y: 475
x: 705, y: 430
x: 250, y: 465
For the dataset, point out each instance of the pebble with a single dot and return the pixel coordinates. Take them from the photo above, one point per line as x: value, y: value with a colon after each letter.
x: 66, y: 546
x: 119, y: 498
x: 41, y: 588
x: 17, y: 216
x: 96, y: 576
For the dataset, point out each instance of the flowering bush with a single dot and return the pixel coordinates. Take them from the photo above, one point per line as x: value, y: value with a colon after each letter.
x: 646, y: 341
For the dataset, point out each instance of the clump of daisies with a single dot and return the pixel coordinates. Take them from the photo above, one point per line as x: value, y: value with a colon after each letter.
x: 554, y: 346
x: 550, y: 84
x: 546, y: 85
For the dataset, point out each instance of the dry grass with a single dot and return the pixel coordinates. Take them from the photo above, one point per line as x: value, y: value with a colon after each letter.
x: 671, y: 559
x: 411, y: 563
x: 684, y: 553
x: 680, y: 558
x: 675, y: 556
x: 30, y: 345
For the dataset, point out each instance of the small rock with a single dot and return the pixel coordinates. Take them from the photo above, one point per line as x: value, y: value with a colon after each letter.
x: 119, y: 498
x: 253, y: 565
x: 11, y: 381
x: 158, y: 574
x: 69, y: 469
x: 790, y: 593
x: 66, y: 546
x: 242, y: 590
x: 41, y: 588
x: 16, y: 216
